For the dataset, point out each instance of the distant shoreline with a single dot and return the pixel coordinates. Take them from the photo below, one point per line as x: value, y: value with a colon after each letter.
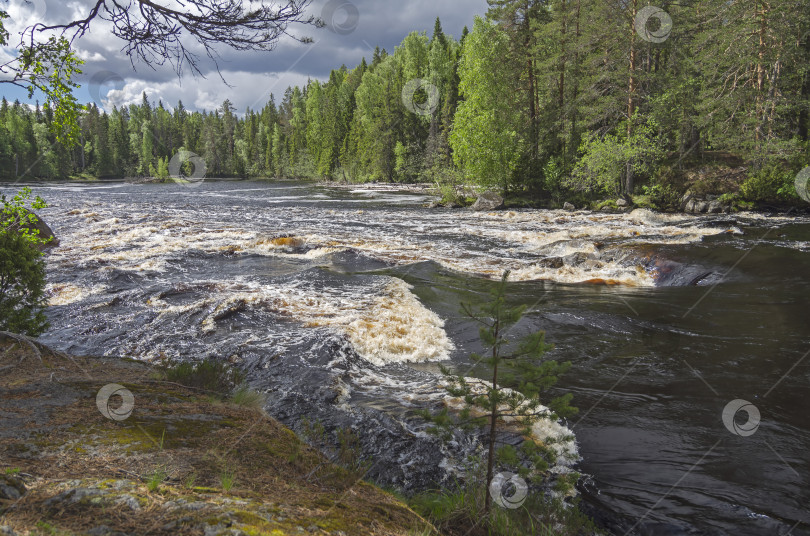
x: 511, y: 203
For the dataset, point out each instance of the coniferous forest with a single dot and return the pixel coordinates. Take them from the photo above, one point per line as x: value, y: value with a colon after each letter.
x: 550, y: 100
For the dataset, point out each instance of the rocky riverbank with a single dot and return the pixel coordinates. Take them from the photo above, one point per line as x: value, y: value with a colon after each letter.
x: 180, y: 463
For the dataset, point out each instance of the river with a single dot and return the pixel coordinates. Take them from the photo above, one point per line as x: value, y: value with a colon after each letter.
x: 340, y: 303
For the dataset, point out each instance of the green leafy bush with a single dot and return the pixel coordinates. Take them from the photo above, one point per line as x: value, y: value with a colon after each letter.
x: 771, y: 183
x: 449, y: 195
x: 22, y: 285
x: 447, y: 181
x: 15, y: 216
x: 22, y: 271
x: 604, y: 159
x: 553, y: 173
x: 662, y: 196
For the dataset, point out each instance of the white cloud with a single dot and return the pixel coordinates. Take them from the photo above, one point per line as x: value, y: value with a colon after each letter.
x: 89, y: 57
x: 247, y: 90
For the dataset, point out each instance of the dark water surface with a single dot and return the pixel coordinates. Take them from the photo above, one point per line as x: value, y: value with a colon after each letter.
x: 341, y: 303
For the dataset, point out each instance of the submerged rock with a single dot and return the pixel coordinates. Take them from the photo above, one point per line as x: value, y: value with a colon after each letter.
x: 402, y: 454
x: 551, y: 262
x: 488, y: 201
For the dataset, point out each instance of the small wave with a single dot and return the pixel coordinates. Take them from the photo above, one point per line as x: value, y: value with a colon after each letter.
x: 482, y: 244
x: 67, y: 293
x: 546, y: 431
x: 398, y: 328
x: 384, y: 321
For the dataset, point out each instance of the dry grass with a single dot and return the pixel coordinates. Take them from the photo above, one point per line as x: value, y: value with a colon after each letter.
x: 176, y: 446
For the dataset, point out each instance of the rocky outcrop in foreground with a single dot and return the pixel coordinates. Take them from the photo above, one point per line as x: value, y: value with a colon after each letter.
x: 168, y: 460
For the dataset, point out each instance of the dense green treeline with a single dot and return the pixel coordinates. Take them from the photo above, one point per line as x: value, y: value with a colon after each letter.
x: 553, y: 99
x: 138, y: 140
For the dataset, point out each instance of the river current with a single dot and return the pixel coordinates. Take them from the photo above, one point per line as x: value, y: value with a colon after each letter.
x: 340, y: 304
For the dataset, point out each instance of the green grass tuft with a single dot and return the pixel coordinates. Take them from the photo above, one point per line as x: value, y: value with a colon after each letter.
x: 227, y: 478
x: 209, y: 375
x: 248, y: 398
x: 155, y: 480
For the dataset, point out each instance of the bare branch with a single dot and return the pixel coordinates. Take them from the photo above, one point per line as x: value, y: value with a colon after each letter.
x: 160, y: 31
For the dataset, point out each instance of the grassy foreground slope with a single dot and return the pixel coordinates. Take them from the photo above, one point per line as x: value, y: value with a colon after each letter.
x: 181, y: 463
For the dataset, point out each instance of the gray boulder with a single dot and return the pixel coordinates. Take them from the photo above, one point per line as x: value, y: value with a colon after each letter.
x: 715, y: 207
x: 73, y: 496
x: 569, y: 207
x: 687, y: 197
x: 129, y: 501
x: 621, y: 202
x: 689, y: 206
x: 104, y: 530
x: 45, y: 232
x: 488, y: 201
x: 708, y: 204
x: 11, y: 487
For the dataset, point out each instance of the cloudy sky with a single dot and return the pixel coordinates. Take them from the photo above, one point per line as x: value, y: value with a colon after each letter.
x: 354, y: 28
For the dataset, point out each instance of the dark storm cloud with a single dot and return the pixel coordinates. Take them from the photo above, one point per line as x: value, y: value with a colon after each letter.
x: 354, y: 28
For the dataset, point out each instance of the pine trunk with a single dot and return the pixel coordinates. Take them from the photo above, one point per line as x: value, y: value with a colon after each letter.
x: 631, y: 89
x: 533, y: 135
x: 760, y: 70
x: 631, y: 95
x: 563, y: 55
x: 493, y: 426
x: 575, y: 95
